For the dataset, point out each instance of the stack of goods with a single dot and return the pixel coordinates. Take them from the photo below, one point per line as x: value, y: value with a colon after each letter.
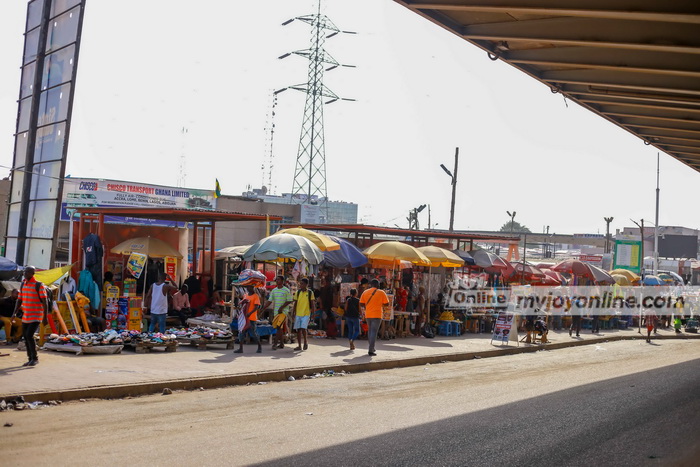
x: 250, y: 277
x: 110, y: 337
x: 446, y: 316
x: 201, y: 332
x: 130, y: 287
x: 137, y: 337
x: 111, y: 311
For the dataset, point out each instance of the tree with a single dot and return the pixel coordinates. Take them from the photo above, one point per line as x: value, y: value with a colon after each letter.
x: 517, y: 228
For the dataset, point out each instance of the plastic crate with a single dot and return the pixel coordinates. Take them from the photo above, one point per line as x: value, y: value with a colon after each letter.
x: 444, y: 328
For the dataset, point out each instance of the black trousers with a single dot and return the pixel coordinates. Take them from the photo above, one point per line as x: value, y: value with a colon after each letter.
x: 575, y: 324
x: 28, y: 330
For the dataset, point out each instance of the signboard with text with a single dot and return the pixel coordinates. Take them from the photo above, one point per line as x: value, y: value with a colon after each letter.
x: 628, y: 255
x: 90, y: 192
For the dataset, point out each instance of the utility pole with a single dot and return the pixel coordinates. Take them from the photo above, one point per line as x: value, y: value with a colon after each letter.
x: 655, y: 267
x: 453, y: 176
x: 607, y: 220
x: 641, y: 230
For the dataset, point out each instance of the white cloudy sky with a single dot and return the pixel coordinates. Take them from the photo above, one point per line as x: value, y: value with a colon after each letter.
x: 149, y: 68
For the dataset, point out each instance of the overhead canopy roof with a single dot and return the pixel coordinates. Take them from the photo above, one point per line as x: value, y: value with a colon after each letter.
x: 183, y: 215
x: 635, y: 63
x: 376, y: 230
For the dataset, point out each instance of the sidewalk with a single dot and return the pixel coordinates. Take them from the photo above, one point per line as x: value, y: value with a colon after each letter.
x: 64, y: 376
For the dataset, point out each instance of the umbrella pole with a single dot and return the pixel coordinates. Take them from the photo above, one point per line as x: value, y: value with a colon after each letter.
x: 143, y: 299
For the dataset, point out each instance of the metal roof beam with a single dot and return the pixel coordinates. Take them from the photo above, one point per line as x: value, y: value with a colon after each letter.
x: 614, y: 105
x: 585, y: 90
x: 651, y: 117
x: 642, y: 61
x: 634, y: 35
x: 680, y: 149
x: 662, y: 135
x: 621, y: 80
x: 633, y: 125
x: 621, y: 10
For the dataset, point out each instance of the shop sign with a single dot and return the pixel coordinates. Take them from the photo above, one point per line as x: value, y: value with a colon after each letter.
x: 97, y: 193
x: 595, y: 259
x: 171, y: 267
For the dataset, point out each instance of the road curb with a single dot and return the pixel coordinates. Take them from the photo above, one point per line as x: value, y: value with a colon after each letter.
x: 211, y: 382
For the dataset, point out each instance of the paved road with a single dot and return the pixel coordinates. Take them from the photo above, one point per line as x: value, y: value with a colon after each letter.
x: 621, y: 403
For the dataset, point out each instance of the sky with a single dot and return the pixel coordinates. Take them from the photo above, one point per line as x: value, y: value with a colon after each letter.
x: 149, y: 69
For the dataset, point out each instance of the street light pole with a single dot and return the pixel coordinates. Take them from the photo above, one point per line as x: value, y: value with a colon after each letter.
x: 453, y: 176
x: 655, y: 267
x: 512, y: 221
x: 607, y: 220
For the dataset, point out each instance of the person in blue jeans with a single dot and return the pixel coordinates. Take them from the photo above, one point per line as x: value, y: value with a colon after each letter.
x: 157, y: 300
x: 352, y: 317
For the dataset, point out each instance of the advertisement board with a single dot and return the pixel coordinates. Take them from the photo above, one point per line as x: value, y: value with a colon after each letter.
x: 90, y: 192
x: 628, y: 255
x: 503, y: 327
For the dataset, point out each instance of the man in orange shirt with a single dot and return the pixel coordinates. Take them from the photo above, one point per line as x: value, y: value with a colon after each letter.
x: 251, y: 315
x: 372, y: 303
x: 34, y: 305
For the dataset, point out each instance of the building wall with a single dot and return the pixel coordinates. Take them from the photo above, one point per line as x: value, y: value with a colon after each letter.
x: 245, y: 233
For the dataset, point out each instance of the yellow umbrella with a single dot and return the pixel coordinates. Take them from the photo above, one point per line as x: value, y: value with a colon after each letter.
x: 393, y: 251
x: 632, y: 277
x: 323, y: 242
x: 150, y: 246
x: 441, y: 257
x: 621, y: 280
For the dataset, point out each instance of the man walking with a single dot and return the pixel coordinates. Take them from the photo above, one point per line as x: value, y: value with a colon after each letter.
x: 280, y: 298
x: 303, y: 308
x: 33, y: 302
x: 372, y: 303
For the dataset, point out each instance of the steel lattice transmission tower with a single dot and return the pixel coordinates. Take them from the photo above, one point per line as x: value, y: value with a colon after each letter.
x: 309, y: 184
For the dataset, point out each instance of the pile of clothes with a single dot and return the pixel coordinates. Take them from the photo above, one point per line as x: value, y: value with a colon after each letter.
x: 250, y: 277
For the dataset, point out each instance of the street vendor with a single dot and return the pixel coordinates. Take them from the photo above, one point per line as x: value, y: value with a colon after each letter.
x: 280, y: 298
x: 33, y: 303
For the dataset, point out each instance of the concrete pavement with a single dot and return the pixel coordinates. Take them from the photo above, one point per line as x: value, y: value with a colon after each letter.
x: 64, y: 376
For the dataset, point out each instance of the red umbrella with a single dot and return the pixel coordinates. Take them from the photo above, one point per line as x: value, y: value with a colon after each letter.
x: 557, y: 276
x: 527, y: 272
x: 575, y: 267
x: 491, y: 263
x: 549, y: 280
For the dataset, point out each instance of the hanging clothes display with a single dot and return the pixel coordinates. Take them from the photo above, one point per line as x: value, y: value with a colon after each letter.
x: 92, y: 247
x: 88, y: 287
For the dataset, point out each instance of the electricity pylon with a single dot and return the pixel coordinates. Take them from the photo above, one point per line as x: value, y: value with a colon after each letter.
x: 309, y: 185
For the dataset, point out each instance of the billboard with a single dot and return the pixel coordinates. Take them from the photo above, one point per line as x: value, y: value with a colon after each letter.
x: 97, y: 193
x: 678, y: 246
x: 628, y: 255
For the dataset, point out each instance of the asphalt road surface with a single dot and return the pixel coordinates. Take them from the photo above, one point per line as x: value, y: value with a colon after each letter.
x: 619, y: 403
